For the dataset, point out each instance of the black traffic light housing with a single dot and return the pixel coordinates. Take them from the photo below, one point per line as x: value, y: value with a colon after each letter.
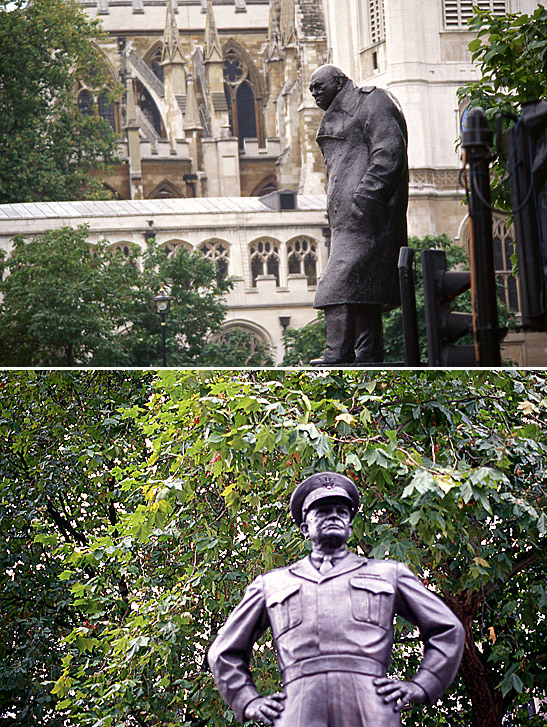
x: 445, y: 327
x: 526, y: 144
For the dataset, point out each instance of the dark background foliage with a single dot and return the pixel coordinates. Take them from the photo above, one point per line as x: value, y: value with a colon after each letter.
x: 136, y: 507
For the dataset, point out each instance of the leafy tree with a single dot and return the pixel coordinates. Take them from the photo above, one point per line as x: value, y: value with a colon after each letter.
x: 69, y: 303
x: 63, y: 301
x: 304, y: 344
x: 180, y: 483
x: 198, y: 310
x: 237, y: 350
x: 308, y: 342
x: 60, y: 436
x: 511, y: 52
x: 47, y: 148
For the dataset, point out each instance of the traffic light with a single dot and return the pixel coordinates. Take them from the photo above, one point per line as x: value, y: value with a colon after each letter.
x: 526, y: 144
x: 444, y: 327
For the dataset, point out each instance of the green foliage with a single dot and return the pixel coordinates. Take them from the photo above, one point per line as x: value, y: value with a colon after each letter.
x: 47, y: 148
x: 511, y: 52
x: 63, y: 301
x: 197, y: 311
x: 308, y: 342
x: 60, y: 435
x: 303, y: 344
x: 69, y: 303
x: 239, y: 349
x: 156, y: 498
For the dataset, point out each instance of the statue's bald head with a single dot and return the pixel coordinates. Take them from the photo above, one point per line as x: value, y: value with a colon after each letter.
x: 325, y: 82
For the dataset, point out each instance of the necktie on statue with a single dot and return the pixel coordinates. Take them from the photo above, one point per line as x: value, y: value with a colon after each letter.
x: 327, y: 564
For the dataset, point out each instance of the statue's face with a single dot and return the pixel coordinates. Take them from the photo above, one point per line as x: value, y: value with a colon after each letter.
x: 328, y: 523
x: 324, y: 87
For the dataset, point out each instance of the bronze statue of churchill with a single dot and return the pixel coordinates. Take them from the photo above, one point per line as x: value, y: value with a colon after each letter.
x: 363, y: 139
x: 331, y: 615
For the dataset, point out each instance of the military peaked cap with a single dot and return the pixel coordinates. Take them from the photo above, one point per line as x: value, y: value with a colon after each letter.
x: 320, y: 486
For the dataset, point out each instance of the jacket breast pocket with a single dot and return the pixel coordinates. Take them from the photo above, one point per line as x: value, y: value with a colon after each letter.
x: 372, y: 600
x: 285, y: 609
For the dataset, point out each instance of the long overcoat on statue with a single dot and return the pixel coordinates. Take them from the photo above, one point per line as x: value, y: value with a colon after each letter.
x: 363, y: 138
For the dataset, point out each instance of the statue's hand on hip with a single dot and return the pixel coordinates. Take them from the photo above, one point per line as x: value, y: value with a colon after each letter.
x: 399, y: 692
x: 265, y: 709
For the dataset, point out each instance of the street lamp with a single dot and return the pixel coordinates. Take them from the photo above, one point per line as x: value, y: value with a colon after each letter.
x: 162, y: 302
x: 284, y: 323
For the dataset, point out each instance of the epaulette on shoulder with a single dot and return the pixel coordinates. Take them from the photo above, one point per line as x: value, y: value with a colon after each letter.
x: 367, y: 89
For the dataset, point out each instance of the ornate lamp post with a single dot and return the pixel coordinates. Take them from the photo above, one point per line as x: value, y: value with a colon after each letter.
x: 162, y: 302
x: 284, y: 323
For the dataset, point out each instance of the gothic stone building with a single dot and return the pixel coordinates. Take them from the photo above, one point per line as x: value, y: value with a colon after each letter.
x: 216, y: 106
x: 215, y: 102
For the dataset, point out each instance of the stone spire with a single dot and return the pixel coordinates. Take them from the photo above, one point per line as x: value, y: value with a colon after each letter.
x: 213, y: 49
x: 174, y: 78
x: 172, y: 50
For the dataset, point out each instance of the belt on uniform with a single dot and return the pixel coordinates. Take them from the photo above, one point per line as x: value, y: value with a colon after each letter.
x: 318, y: 664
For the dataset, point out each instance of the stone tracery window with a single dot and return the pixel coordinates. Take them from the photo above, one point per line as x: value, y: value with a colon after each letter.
x: 171, y: 247
x: 90, y: 104
x: 302, y: 258
x: 240, y: 97
x: 264, y: 259
x: 504, y: 247
x: 218, y: 252
x: 124, y: 247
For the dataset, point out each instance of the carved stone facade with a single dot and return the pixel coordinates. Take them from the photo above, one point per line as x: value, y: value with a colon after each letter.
x: 276, y: 255
x: 215, y: 96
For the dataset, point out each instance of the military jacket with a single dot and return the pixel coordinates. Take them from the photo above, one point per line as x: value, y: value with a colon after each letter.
x: 341, y: 620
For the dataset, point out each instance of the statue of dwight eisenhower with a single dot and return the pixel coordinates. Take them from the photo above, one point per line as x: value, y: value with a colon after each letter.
x: 363, y: 139
x: 331, y: 615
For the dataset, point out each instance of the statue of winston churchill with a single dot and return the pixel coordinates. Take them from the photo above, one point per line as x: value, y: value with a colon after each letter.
x: 363, y: 139
x: 331, y: 615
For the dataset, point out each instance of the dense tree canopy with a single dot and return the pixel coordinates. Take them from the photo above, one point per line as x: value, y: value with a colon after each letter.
x: 135, y: 508
x: 69, y: 303
x: 47, y: 148
x: 63, y: 301
x: 511, y: 52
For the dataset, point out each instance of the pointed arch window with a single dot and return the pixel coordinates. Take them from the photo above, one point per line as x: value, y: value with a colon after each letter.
x: 85, y: 103
x: 504, y: 247
x: 171, y: 247
x: 90, y: 104
x: 302, y: 258
x: 240, y: 97
x: 218, y: 252
x: 264, y: 259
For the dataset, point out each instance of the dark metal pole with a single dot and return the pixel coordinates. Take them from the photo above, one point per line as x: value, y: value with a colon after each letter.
x: 477, y: 144
x: 163, y: 347
x: 408, y: 304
